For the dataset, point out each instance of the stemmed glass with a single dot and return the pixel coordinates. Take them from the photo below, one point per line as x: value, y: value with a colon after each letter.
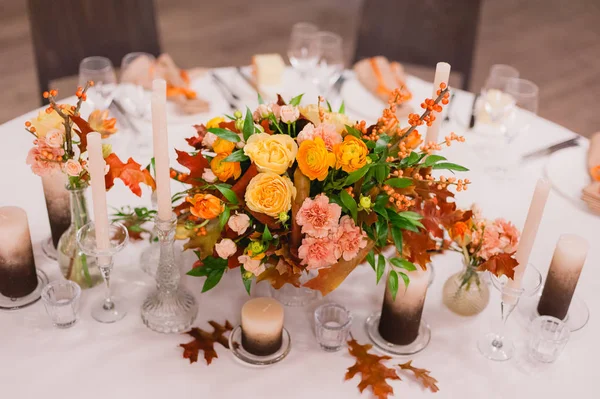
x: 131, y: 92
x: 303, y: 48
x: 496, y: 103
x: 100, y: 70
x: 331, y: 61
x: 525, y: 95
x: 109, y: 310
x: 495, y: 345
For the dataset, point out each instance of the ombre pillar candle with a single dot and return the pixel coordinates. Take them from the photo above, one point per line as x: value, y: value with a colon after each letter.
x: 57, y: 204
x: 262, y: 326
x: 401, y: 318
x: 563, y: 275
x: 18, y: 276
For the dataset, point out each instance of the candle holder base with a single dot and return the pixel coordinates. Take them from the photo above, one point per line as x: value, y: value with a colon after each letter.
x: 49, y: 250
x: 496, y: 347
x: 577, y: 317
x: 420, y: 343
x: 235, y: 345
x: 170, y: 312
x: 7, y: 303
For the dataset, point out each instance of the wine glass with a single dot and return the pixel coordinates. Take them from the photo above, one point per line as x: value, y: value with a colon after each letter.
x: 303, y: 48
x: 331, y: 61
x: 136, y: 72
x: 496, y: 103
x: 101, y: 71
x: 525, y: 95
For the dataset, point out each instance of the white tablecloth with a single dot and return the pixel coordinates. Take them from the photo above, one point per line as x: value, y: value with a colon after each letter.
x: 127, y: 360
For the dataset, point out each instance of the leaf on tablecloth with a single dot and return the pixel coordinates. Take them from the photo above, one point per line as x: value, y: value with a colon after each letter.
x: 422, y: 375
x: 205, y: 341
x: 501, y: 264
x: 131, y: 173
x: 373, y: 372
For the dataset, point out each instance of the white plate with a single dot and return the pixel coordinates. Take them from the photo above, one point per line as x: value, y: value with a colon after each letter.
x: 567, y: 171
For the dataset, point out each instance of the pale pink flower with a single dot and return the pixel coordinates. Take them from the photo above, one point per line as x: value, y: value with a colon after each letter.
x: 263, y: 111
x: 317, y: 253
x: 509, y: 235
x: 276, y: 110
x: 73, y: 168
x: 36, y: 160
x: 254, y: 266
x: 499, y: 237
x: 239, y: 222
x: 225, y: 248
x: 208, y: 175
x: 307, y: 133
x: 289, y: 113
x: 318, y: 217
x: 349, y: 238
x: 326, y: 131
x: 209, y: 139
x: 55, y: 138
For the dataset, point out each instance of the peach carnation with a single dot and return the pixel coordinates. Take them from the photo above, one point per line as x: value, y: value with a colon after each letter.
x: 318, y: 217
x: 326, y: 131
x: 349, y: 238
x: 317, y: 253
x: 41, y: 160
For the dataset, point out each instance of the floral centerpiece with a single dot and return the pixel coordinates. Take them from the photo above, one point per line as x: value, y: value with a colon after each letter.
x: 288, y: 189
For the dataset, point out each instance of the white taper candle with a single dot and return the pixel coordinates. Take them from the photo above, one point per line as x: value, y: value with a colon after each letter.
x: 442, y: 74
x: 161, y: 148
x: 97, y: 167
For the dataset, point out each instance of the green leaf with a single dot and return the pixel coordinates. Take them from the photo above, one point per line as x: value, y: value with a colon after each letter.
x: 381, y: 228
x: 433, y: 159
x: 328, y: 106
x: 380, y: 267
x: 397, y: 237
x: 381, y: 211
x: 225, y: 134
x: 405, y: 278
x: 267, y: 236
x: 248, y: 128
x: 403, y: 223
x: 230, y: 117
x: 260, y: 99
x: 393, y: 283
x: 381, y: 172
x: 213, y: 269
x: 450, y: 166
x: 382, y: 143
x: 411, y: 215
x: 224, y: 217
x: 227, y: 193
x: 247, y: 281
x: 399, y: 182
x: 351, y: 130
x: 336, y: 200
x: 296, y: 100
x: 356, y: 175
x: 342, y: 109
x: 371, y: 259
x: 410, y: 160
x: 349, y: 203
x: 236, y: 156
x: 403, y: 264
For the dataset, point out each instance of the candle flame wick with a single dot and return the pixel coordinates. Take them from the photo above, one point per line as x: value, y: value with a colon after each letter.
x: 266, y: 308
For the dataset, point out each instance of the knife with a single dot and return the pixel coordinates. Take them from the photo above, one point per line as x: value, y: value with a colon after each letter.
x: 224, y: 92
x: 472, y: 118
x: 224, y: 86
x: 552, y: 149
x: 123, y: 112
x: 447, y: 117
x: 250, y: 82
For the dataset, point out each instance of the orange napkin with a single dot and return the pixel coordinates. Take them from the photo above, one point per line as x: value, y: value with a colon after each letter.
x: 591, y: 193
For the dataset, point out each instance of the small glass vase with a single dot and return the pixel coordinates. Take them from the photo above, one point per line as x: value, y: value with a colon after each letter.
x: 465, y: 293
x: 74, y: 264
x: 292, y: 296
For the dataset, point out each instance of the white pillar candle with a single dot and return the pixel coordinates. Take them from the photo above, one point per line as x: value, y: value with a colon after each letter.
x: 18, y: 276
x: 442, y: 74
x: 161, y: 149
x: 262, y: 326
x: 97, y: 169
x: 563, y: 275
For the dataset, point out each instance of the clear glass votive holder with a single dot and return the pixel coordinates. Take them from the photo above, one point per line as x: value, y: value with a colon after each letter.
x: 547, y: 338
x: 61, y: 299
x: 332, y: 325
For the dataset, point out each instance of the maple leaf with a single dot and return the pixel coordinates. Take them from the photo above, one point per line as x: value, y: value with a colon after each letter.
x: 131, y: 173
x: 230, y: 125
x: 84, y: 129
x: 373, y: 372
x: 286, y: 271
x: 417, y: 246
x: 195, y: 163
x: 421, y: 374
x: 196, y: 141
x: 500, y: 264
x: 205, y: 341
x: 440, y: 215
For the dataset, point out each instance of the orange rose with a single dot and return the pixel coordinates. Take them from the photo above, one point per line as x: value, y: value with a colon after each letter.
x: 225, y: 170
x: 351, y: 154
x: 461, y: 233
x: 314, y: 160
x: 223, y: 146
x: 205, y: 206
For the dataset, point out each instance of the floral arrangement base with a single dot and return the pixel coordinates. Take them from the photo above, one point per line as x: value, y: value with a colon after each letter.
x: 292, y: 296
x: 7, y: 303
x: 235, y: 344
x: 420, y: 343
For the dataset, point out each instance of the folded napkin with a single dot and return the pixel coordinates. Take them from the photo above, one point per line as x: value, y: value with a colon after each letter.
x: 591, y: 193
x: 381, y: 77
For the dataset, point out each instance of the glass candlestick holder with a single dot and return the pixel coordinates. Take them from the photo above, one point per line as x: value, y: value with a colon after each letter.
x: 496, y: 345
x: 109, y: 310
x: 170, y: 308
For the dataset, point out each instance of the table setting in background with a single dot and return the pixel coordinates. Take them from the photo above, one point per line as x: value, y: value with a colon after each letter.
x: 241, y: 230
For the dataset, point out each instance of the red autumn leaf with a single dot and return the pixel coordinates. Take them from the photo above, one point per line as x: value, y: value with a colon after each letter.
x: 205, y: 341
x: 229, y: 126
x: 196, y: 141
x: 265, y: 124
x: 501, y: 264
x: 84, y: 129
x: 196, y: 164
x: 280, y: 100
x: 440, y: 215
x: 131, y: 173
x: 416, y: 247
x: 422, y: 375
x: 373, y: 372
x: 239, y: 188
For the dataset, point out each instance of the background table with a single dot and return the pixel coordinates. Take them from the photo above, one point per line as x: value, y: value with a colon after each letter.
x: 127, y: 360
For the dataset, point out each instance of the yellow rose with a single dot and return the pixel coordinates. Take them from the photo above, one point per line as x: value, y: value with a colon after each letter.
x: 351, y: 154
x: 270, y: 194
x: 311, y: 112
x: 45, y: 122
x: 271, y: 153
x: 314, y: 160
x: 223, y: 146
x: 225, y: 170
x: 214, y: 122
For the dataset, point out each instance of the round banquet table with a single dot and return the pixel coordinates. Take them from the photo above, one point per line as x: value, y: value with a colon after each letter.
x: 127, y: 360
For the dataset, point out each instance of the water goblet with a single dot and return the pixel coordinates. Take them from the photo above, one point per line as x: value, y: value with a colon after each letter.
x: 100, y: 70
x: 303, y: 48
x: 330, y: 65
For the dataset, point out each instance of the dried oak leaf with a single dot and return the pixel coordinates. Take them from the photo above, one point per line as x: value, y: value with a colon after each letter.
x: 286, y: 271
x: 196, y: 141
x: 373, y: 372
x: 195, y: 163
x: 417, y: 246
x: 131, y: 173
x: 422, y: 375
x: 439, y: 215
x: 501, y: 264
x: 205, y: 341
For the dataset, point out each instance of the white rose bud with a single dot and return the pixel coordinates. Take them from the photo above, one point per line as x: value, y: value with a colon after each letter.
x: 289, y: 113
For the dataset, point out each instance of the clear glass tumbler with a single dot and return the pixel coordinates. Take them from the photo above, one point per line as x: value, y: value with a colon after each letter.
x: 332, y: 325
x: 61, y: 299
x: 547, y: 338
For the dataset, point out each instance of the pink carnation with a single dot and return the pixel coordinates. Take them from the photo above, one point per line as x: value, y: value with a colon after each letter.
x: 509, y: 235
x: 38, y: 165
x: 317, y: 253
x: 318, y: 217
x: 499, y: 237
x: 349, y: 238
x: 326, y: 131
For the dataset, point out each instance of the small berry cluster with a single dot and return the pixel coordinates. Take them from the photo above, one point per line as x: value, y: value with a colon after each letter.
x: 430, y: 147
x: 453, y: 137
x: 178, y: 175
x: 443, y: 182
x: 401, y: 201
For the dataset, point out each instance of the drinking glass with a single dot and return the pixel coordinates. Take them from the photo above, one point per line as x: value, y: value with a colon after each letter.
x: 525, y: 95
x: 547, y: 338
x: 331, y: 61
x: 332, y: 325
x: 303, y: 48
x: 132, y: 94
x: 61, y: 300
x: 101, y: 71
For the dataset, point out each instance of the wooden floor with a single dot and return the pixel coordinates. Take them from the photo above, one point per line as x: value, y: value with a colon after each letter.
x: 555, y: 43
